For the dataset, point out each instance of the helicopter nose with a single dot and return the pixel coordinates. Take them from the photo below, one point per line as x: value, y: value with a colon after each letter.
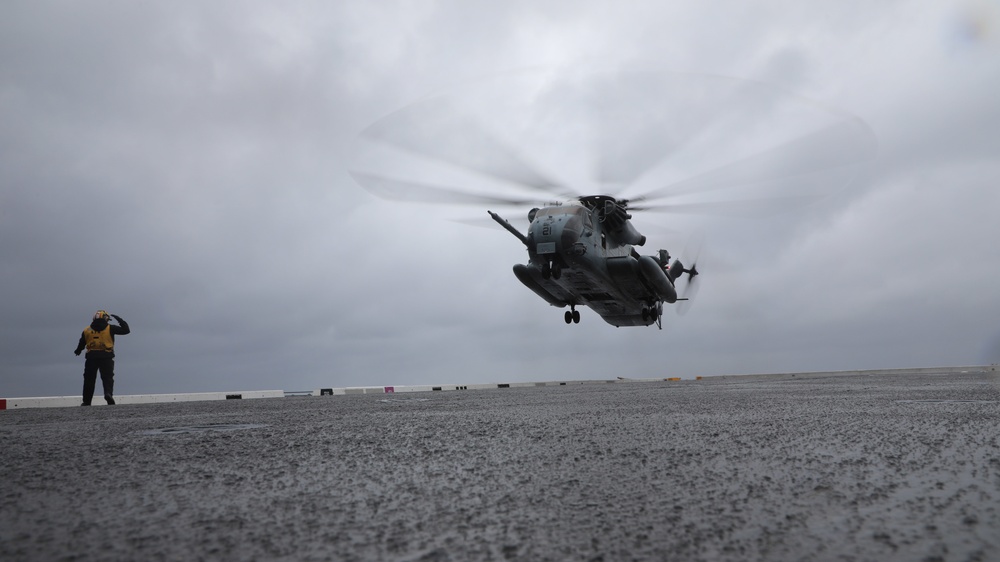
x: 569, y: 236
x: 557, y: 233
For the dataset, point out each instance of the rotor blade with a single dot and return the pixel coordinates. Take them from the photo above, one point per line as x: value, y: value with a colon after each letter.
x: 746, y: 208
x: 644, y: 118
x: 436, y: 129
x: 843, y: 144
x: 690, y: 258
x: 400, y: 190
x: 690, y: 292
x: 692, y: 248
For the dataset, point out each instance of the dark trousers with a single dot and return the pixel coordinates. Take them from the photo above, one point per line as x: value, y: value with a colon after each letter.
x: 106, y: 365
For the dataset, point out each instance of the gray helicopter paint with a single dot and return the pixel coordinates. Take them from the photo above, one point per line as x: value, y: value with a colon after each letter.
x: 596, y: 267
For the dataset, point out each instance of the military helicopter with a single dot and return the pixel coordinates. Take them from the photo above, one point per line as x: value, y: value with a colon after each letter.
x: 582, y: 249
x: 581, y: 252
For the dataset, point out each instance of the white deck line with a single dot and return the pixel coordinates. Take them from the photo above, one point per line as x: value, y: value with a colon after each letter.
x: 67, y: 401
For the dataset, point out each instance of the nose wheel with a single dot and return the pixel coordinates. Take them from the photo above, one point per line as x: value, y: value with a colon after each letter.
x: 572, y: 316
x: 551, y: 270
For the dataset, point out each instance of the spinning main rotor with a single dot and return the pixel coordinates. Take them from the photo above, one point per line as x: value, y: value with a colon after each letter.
x: 626, y: 141
x: 683, y: 143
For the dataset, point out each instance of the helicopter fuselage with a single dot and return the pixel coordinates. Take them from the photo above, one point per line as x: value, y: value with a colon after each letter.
x: 582, y: 253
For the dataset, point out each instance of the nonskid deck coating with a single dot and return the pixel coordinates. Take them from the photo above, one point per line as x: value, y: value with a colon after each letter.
x: 833, y: 468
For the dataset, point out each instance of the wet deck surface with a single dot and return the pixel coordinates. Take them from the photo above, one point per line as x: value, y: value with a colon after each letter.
x: 836, y: 468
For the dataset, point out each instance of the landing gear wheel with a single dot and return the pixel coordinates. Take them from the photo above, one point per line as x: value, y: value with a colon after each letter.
x: 556, y: 271
x: 546, y: 270
x: 576, y: 316
x: 569, y: 317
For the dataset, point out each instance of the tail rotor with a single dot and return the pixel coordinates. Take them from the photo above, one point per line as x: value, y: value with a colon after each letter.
x: 690, y: 274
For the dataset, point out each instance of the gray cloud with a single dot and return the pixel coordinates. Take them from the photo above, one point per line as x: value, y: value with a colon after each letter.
x: 185, y: 165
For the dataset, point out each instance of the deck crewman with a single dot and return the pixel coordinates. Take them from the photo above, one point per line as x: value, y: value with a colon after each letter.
x: 99, y: 340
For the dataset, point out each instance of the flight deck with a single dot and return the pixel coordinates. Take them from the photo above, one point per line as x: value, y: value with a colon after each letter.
x: 878, y: 466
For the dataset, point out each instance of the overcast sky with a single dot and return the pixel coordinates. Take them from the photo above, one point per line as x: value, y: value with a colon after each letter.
x: 186, y: 166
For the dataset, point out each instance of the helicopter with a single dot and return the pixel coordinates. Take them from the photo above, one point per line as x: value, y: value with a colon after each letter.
x: 582, y: 252
x: 582, y: 248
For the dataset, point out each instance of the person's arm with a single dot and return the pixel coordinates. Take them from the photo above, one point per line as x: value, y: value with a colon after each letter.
x: 122, y: 327
x: 81, y: 345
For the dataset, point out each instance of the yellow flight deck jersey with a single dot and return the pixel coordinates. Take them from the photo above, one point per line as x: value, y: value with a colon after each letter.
x: 99, y: 341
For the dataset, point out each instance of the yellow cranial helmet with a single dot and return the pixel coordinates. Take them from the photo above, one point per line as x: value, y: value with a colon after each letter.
x: 101, y: 315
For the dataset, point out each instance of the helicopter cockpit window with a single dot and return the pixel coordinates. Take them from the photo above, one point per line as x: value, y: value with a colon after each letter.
x: 588, y: 224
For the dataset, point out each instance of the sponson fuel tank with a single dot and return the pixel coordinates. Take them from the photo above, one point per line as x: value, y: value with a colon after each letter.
x: 524, y: 275
x: 641, y: 274
x: 653, y: 274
